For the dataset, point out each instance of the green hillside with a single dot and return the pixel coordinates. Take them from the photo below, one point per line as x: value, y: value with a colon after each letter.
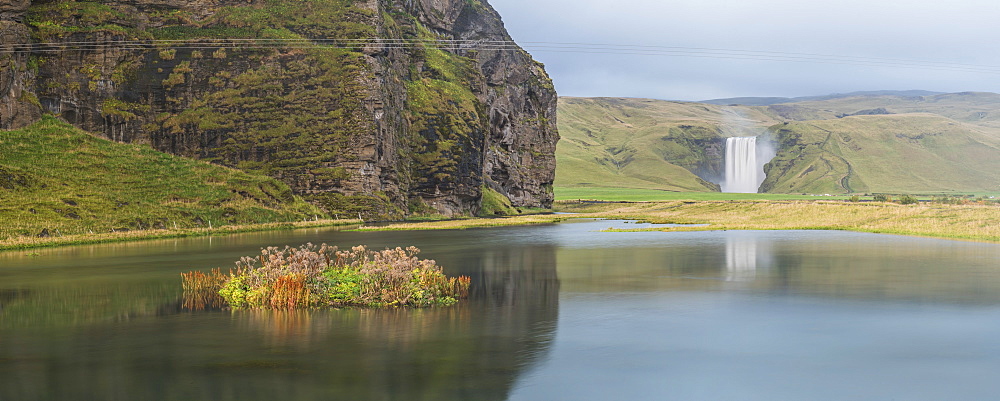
x: 885, y: 153
x: 935, y: 143
x: 977, y: 108
x: 647, y: 144
x: 57, y: 180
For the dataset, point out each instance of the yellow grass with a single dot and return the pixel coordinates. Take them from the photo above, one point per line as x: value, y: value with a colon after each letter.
x: 979, y: 222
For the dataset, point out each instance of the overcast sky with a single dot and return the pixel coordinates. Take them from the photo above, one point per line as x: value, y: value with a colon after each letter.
x: 871, y: 32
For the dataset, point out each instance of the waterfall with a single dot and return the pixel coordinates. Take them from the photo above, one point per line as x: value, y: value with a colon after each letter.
x: 743, y: 174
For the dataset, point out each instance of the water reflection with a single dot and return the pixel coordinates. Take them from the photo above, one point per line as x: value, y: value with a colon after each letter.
x: 112, y: 339
x: 831, y: 264
x: 104, y: 322
x: 741, y: 258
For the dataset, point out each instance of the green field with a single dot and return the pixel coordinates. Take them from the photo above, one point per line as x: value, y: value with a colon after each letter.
x: 56, y: 180
x: 645, y: 195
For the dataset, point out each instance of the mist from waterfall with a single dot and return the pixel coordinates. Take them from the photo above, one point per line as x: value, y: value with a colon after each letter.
x: 743, y: 173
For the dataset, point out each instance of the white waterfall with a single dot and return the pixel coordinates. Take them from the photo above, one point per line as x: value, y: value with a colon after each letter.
x: 743, y: 174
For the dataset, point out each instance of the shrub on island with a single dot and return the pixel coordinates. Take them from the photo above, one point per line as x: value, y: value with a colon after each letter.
x: 323, y: 276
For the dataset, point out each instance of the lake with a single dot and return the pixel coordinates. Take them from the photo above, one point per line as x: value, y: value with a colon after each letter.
x: 559, y: 311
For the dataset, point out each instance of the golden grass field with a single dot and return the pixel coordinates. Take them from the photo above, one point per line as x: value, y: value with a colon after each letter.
x: 978, y: 222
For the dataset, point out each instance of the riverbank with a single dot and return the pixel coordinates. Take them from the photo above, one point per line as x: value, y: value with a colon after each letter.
x: 474, y: 222
x: 977, y: 222
x: 138, y: 235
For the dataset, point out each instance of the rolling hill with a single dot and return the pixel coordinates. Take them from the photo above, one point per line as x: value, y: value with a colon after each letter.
x: 869, y: 142
x: 648, y: 144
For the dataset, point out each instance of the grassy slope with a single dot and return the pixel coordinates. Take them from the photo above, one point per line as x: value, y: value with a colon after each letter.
x: 977, y: 108
x: 888, y: 153
x: 625, y: 143
x: 941, y: 143
x: 55, y: 177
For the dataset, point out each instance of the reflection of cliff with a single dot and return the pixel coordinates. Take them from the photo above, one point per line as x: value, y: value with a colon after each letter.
x: 475, y: 350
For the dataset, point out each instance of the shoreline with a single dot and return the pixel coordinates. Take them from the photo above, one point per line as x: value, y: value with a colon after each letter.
x: 978, y: 223
x: 971, y: 222
x: 25, y: 243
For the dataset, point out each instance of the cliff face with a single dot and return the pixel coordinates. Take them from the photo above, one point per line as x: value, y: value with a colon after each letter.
x: 18, y: 105
x: 296, y: 89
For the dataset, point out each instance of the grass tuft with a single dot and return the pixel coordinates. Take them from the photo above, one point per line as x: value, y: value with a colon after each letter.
x: 323, y: 276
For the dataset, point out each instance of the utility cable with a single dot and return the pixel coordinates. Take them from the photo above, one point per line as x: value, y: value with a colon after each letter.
x: 492, y: 45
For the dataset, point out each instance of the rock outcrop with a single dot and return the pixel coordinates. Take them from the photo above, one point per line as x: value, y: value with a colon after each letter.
x: 18, y: 104
x: 442, y: 107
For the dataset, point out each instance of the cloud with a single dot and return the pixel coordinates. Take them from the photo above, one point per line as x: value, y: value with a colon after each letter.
x: 959, y: 32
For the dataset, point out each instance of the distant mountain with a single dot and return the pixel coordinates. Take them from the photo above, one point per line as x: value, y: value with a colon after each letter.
x: 767, y: 101
x: 885, y: 141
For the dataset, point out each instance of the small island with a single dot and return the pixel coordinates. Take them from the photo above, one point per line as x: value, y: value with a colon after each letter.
x: 323, y: 276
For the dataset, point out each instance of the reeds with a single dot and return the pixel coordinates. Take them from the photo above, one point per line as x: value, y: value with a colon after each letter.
x: 315, y: 276
x: 201, y: 290
x: 289, y: 292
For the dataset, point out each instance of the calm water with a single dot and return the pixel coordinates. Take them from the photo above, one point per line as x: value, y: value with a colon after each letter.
x: 557, y: 312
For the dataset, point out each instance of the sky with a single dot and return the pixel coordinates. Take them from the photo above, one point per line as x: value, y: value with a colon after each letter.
x: 707, y: 49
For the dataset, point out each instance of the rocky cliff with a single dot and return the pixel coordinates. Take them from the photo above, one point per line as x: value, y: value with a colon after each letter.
x: 437, y: 110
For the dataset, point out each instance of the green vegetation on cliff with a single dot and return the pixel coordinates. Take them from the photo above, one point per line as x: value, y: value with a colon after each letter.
x: 300, y: 90
x: 446, y: 119
x: 56, y: 180
x: 495, y: 204
x: 286, y: 112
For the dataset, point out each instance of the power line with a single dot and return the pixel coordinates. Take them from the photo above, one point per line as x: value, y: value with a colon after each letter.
x: 495, y: 45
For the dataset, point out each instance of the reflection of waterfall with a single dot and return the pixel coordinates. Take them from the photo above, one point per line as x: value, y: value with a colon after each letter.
x: 741, y: 258
x: 741, y: 165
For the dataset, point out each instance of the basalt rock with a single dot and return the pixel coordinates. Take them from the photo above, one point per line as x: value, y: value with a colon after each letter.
x: 18, y: 104
x: 422, y: 121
